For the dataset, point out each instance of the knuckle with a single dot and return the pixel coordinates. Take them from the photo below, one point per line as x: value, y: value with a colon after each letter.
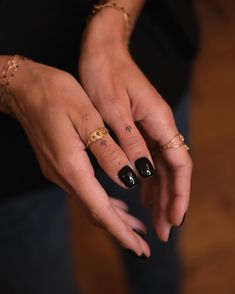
x: 65, y: 165
x: 113, y: 108
x: 164, y: 109
x: 160, y: 109
x: 60, y: 77
x: 135, y: 143
x: 87, y: 116
x: 111, y: 156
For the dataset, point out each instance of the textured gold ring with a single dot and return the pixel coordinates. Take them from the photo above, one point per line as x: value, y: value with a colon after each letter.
x: 171, y: 144
x: 96, y: 135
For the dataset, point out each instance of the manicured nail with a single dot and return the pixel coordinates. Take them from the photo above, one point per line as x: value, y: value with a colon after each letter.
x: 144, y: 257
x: 139, y: 232
x: 183, y: 220
x: 170, y: 234
x: 144, y: 167
x: 128, y: 177
x: 133, y: 254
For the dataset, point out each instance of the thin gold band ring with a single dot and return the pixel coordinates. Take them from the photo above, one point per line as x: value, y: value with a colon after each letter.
x: 170, y: 144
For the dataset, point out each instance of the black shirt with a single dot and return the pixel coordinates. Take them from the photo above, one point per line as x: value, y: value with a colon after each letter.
x: 50, y: 32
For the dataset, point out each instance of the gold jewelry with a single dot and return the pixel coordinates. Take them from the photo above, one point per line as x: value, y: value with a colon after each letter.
x: 171, y: 145
x: 96, y: 135
x: 99, y: 7
x: 7, y: 75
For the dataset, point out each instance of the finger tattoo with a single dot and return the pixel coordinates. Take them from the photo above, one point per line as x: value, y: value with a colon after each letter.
x: 103, y: 142
x: 128, y: 128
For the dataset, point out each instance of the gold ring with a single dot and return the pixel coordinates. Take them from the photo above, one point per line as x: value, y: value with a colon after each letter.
x: 171, y: 143
x: 96, y: 135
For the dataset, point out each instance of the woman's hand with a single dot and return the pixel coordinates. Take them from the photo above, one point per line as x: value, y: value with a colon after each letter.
x: 58, y: 117
x: 125, y: 99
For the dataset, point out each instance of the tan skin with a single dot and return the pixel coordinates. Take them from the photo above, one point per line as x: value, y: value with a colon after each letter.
x: 58, y: 116
x: 124, y: 97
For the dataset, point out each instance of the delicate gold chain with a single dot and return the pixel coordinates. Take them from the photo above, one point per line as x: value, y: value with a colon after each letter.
x: 98, y: 7
x: 7, y: 75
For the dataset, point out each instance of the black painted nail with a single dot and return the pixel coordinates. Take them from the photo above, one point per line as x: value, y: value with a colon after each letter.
x: 144, y: 167
x: 131, y: 253
x: 144, y: 257
x: 128, y: 177
x: 139, y: 232
x: 170, y: 233
x: 183, y: 220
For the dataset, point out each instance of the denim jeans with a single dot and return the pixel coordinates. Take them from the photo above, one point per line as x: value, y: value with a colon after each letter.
x: 34, y: 247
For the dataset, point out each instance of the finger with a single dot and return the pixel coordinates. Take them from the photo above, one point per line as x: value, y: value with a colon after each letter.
x: 179, y: 177
x: 117, y: 203
x: 132, y: 221
x: 161, y: 220
x: 109, y: 155
x: 158, y: 122
x: 68, y: 165
x: 96, y: 200
x: 117, y: 114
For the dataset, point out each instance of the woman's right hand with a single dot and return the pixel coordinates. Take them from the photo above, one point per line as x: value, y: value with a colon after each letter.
x: 58, y: 117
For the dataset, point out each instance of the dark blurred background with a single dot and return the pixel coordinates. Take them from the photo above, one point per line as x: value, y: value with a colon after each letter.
x: 208, y: 238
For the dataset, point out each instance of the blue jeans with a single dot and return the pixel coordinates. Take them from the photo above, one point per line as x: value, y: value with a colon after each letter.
x: 34, y: 248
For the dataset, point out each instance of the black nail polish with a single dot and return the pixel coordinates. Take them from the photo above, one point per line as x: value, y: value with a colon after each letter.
x: 144, y: 257
x: 144, y: 167
x: 131, y: 253
x: 139, y: 232
x: 128, y: 177
x: 170, y: 234
x: 183, y: 220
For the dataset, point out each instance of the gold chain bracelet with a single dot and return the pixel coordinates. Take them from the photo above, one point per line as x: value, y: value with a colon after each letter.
x: 6, y: 77
x: 99, y: 7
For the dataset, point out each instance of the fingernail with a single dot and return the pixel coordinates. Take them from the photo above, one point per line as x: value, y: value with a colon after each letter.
x: 183, y: 220
x: 170, y: 234
x: 128, y: 177
x: 144, y: 167
x: 144, y: 257
x: 139, y: 232
x: 133, y: 254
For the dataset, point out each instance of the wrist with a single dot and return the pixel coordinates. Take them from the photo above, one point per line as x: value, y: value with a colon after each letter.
x: 9, y: 66
x: 3, y: 61
x: 106, y: 29
x: 19, y: 78
x: 111, y: 25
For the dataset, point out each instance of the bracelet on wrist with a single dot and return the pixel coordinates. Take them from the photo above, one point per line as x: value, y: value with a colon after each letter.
x: 8, y: 73
x: 113, y: 5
